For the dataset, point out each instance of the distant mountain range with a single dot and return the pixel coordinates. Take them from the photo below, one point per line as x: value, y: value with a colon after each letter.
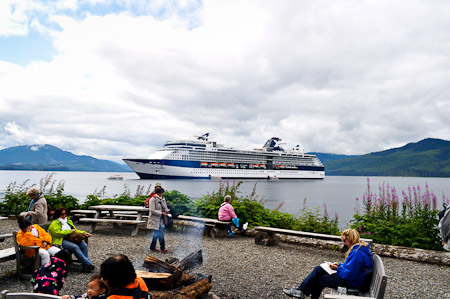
x: 50, y: 158
x: 427, y: 158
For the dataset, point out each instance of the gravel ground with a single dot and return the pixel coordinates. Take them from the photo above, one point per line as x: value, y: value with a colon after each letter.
x: 239, y: 268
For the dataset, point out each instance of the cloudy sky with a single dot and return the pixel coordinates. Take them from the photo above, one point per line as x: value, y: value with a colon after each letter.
x: 117, y: 78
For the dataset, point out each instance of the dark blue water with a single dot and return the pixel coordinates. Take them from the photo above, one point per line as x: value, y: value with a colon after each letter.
x: 338, y: 193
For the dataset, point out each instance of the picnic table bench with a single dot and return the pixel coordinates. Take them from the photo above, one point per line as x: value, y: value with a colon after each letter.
x: 114, y: 214
x: 78, y: 214
x: 269, y: 235
x: 213, y: 227
x: 377, y: 284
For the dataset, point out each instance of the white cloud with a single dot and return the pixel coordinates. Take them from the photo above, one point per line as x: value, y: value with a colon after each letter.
x: 345, y: 77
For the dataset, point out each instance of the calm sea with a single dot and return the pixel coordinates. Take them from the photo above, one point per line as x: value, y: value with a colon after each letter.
x: 338, y: 193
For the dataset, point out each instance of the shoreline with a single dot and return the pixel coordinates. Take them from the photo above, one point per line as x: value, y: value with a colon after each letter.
x: 239, y: 267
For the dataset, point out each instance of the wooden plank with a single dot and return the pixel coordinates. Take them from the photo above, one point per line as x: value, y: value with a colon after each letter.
x: 118, y: 208
x: 7, y: 254
x: 5, y: 236
x: 204, y: 220
x: 303, y: 234
x: 82, y: 212
x: 108, y: 220
x: 7, y: 295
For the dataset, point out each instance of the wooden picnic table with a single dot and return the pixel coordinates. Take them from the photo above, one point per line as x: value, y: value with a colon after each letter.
x: 114, y: 213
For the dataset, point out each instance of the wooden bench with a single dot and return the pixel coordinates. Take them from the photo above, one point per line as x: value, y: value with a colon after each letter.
x: 77, y: 214
x: 7, y: 295
x: 5, y: 236
x: 377, y: 284
x: 213, y: 227
x: 268, y: 235
x: 95, y: 221
x: 7, y: 254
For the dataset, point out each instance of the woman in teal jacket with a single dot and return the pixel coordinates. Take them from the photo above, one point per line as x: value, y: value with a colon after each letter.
x: 60, y: 228
x: 351, y: 273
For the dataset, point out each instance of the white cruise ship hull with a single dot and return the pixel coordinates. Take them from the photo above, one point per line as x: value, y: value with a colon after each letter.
x: 148, y: 169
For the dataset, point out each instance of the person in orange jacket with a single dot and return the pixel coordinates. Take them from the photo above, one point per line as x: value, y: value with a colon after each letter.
x: 120, y: 277
x: 32, y: 234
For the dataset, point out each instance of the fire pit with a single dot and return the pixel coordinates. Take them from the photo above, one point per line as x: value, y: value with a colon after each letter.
x: 170, y: 278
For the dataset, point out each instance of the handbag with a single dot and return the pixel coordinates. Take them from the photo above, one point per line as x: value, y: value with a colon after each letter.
x: 75, y: 237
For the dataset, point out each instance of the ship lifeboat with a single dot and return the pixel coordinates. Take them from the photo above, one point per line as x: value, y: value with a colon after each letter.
x: 282, y: 166
x: 230, y: 165
x: 203, y: 164
x: 262, y: 166
x: 255, y: 165
x: 222, y: 164
x: 214, y: 164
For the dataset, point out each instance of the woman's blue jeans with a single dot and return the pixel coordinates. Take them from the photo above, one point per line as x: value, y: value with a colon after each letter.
x: 318, y: 279
x: 158, y: 235
x: 80, y: 250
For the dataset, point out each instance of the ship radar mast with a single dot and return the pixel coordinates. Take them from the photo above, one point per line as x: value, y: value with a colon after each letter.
x: 273, y: 144
x: 204, y: 137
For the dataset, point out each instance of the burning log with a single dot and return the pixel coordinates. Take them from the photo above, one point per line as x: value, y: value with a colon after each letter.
x: 189, y: 292
x: 164, y: 276
x: 192, y: 261
x: 156, y: 266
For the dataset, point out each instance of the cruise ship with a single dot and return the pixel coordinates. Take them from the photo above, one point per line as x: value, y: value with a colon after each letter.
x: 201, y: 158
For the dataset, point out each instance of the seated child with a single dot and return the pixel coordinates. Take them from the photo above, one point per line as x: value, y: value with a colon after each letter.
x: 97, y: 289
x: 32, y: 234
x: 49, y: 278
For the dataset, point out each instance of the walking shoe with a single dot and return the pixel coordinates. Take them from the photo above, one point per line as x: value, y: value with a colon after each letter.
x: 164, y: 250
x: 86, y: 270
x: 294, y: 292
x: 154, y: 249
x: 231, y: 234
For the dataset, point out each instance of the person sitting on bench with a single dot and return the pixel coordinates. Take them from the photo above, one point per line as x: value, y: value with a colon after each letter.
x: 354, y: 272
x: 226, y: 213
x: 32, y: 234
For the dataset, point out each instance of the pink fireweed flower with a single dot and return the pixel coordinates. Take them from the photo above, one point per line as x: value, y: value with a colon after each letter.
x: 434, y: 202
x: 325, y: 211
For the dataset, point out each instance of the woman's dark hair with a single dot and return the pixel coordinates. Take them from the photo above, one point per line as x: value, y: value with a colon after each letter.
x: 118, y: 271
x: 23, y: 222
x: 65, y: 255
x: 58, y: 212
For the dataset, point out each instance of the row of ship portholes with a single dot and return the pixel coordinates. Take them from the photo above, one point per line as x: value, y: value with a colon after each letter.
x: 242, y: 166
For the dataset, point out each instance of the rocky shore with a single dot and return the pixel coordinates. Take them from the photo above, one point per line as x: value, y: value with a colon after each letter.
x: 239, y: 268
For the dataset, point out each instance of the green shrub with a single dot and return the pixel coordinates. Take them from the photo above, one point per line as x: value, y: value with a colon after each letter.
x: 411, y: 222
x: 250, y: 210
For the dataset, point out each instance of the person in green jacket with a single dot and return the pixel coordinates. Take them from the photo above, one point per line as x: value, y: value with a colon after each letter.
x: 60, y: 228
